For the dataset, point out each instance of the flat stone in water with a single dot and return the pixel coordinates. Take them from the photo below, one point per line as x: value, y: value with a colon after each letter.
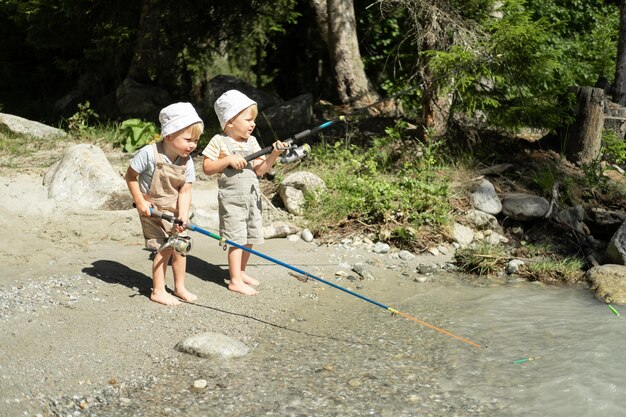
x: 207, y: 345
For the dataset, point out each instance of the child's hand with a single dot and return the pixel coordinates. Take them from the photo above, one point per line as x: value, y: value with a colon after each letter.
x: 237, y: 161
x: 277, y: 147
x: 181, y: 227
x: 144, y: 208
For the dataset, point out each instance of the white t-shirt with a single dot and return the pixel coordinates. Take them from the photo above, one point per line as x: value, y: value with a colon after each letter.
x: 217, y: 148
x: 144, y: 162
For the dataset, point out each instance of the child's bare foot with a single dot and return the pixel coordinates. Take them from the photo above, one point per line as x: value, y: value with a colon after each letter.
x: 242, y: 288
x: 185, y: 295
x: 249, y: 280
x: 164, y: 298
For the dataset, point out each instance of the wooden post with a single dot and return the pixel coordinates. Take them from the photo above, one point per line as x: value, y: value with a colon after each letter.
x: 583, y: 138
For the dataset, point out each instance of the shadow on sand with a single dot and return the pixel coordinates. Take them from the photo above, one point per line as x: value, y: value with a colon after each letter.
x: 114, y: 272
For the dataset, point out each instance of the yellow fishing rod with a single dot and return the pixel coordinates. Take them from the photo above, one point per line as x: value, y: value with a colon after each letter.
x: 195, y: 228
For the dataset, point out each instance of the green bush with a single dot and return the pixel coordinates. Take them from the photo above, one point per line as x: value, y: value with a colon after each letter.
x: 137, y: 133
x: 392, y: 188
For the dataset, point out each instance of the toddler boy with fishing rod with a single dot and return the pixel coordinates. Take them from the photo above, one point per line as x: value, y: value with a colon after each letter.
x: 159, y: 177
x: 239, y: 196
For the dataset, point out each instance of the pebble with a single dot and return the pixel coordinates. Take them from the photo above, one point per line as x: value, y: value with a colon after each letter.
x: 306, y: 235
x: 381, y: 247
x: 199, y: 385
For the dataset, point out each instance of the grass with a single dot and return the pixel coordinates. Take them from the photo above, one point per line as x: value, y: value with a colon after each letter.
x: 482, y: 259
x: 383, y: 188
x: 554, y: 271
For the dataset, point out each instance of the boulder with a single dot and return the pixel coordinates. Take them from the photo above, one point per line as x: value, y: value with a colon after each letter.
x: 284, y: 120
x: 616, y: 250
x: 141, y: 101
x: 484, y: 198
x: 482, y: 220
x: 207, y: 345
x: 461, y: 234
x: 609, y: 282
x: 85, y: 177
x: 525, y: 207
x: 294, y: 187
x: 24, y: 126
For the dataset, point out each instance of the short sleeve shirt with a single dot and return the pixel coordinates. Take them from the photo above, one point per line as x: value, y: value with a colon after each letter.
x: 217, y: 148
x: 144, y: 162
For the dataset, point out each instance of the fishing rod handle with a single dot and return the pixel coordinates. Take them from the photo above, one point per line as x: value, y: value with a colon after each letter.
x: 255, y: 155
x: 168, y: 217
x: 296, y: 137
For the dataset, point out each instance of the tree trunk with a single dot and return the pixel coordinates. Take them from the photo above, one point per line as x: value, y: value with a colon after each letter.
x: 145, y: 62
x: 583, y: 138
x: 337, y: 23
x: 619, y: 86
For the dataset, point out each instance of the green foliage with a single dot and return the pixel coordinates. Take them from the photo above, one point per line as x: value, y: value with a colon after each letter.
x: 137, y: 133
x: 545, y: 178
x: 594, y: 177
x: 554, y: 270
x: 613, y: 147
x: 586, y: 33
x: 80, y: 122
x: 391, y: 186
x: 517, y: 71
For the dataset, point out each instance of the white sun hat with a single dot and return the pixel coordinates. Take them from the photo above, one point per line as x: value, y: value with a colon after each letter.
x: 229, y: 104
x: 176, y: 117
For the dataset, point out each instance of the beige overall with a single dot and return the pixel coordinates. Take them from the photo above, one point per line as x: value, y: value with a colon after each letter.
x: 167, y: 180
x: 240, y: 202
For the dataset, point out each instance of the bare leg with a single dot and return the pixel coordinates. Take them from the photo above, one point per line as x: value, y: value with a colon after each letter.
x: 245, y: 256
x: 179, y: 268
x: 159, y: 267
x: 237, y: 283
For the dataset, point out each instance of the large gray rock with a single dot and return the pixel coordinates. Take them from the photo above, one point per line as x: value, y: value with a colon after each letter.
x: 85, y: 177
x: 524, y: 207
x: 609, y: 282
x: 461, y: 234
x: 484, y: 198
x: 616, y: 250
x: 284, y: 120
x: 295, y: 186
x: 24, y: 126
x: 482, y: 220
x: 139, y: 100
x: 208, y: 345
x: 573, y: 217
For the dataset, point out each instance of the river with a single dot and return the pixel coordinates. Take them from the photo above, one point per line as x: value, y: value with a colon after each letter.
x: 341, y: 356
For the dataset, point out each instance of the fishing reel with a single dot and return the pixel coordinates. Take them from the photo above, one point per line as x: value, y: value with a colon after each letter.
x: 295, y: 153
x: 181, y: 244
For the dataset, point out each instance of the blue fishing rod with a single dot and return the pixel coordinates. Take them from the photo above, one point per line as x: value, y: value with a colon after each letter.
x: 224, y: 242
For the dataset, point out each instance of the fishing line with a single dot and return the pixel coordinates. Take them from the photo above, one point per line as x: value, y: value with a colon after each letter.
x: 224, y: 242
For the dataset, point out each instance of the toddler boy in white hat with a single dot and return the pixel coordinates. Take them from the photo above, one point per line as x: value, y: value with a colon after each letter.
x: 160, y: 176
x: 239, y: 195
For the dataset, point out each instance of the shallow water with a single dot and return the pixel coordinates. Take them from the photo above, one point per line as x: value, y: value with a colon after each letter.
x: 341, y: 356
x: 577, y: 339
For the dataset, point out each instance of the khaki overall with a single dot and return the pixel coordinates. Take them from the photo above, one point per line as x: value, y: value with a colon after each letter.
x: 167, y: 180
x: 240, y: 201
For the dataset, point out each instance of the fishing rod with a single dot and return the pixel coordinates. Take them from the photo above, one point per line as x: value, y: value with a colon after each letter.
x: 225, y: 242
x: 308, y: 132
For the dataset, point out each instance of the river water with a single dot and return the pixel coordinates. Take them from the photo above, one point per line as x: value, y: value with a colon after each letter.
x: 341, y: 356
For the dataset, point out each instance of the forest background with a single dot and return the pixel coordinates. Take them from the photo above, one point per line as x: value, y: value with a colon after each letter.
x: 463, y: 75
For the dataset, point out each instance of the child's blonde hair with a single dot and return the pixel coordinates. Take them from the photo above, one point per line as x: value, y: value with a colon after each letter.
x: 195, y: 130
